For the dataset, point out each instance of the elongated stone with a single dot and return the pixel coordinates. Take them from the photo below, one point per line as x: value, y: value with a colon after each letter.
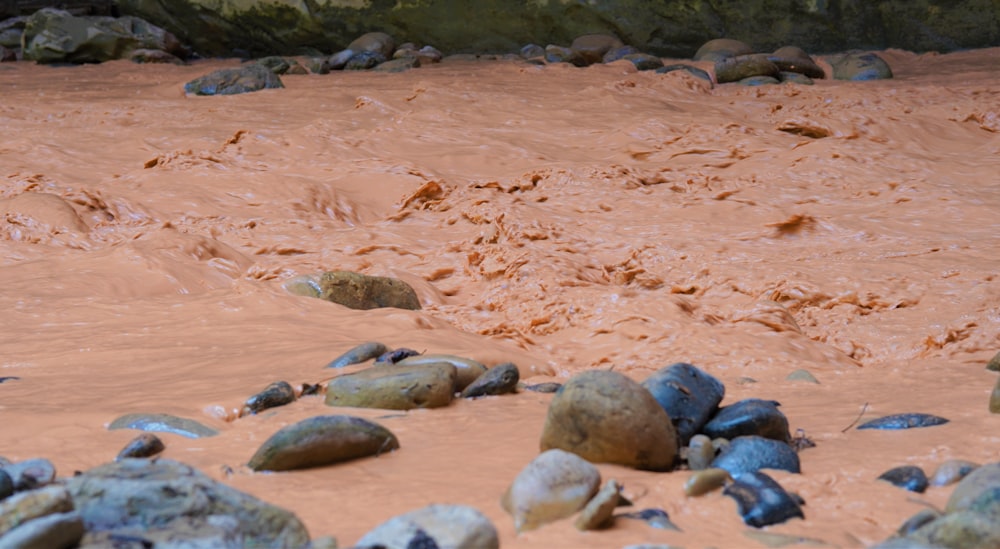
x: 903, y: 421
x: 395, y: 387
x: 320, y: 441
x: 163, y: 423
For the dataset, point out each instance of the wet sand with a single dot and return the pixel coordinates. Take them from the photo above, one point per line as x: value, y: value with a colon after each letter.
x: 560, y: 218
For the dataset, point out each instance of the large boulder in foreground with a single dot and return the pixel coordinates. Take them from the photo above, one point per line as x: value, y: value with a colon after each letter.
x: 139, y: 497
x: 57, y: 36
x: 605, y: 417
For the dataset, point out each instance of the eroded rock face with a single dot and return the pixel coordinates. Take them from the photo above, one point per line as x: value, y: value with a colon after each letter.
x: 669, y: 28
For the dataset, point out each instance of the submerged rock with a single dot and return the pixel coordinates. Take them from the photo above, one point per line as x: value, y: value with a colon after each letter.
x: 657, y: 518
x: 606, y: 417
x: 553, y: 486
x: 358, y: 354
x: 320, y: 441
x: 362, y: 292
x: 860, y: 66
x: 248, y: 78
x: 761, y: 500
x: 443, y: 526
x: 163, y: 423
x: 721, y: 48
x: 592, y: 47
x: 139, y: 496
x: 599, y: 510
x: 903, y: 421
x: 142, y: 446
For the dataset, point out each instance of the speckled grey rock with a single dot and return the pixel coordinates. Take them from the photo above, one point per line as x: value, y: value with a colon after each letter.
x: 245, y: 79
x: 752, y: 453
x: 599, y: 510
x: 443, y: 526
x: 605, y: 417
x: 152, y: 494
x: 553, y: 486
x: 322, y: 440
x: 908, y: 477
x: 32, y: 504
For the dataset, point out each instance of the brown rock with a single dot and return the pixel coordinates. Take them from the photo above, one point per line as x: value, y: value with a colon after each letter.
x: 378, y: 42
x: 721, y: 48
x: 322, y: 440
x: 592, y: 47
x: 605, y: 417
x: 363, y: 292
x: 395, y: 387
x: 734, y: 69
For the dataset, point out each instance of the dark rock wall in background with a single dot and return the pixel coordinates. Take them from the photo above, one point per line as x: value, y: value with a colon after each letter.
x: 666, y: 27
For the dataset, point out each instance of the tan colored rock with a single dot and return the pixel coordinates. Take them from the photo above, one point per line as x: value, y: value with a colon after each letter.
x: 721, y: 48
x: 363, y: 292
x: 593, y: 46
x: 25, y: 506
x: 605, y: 417
x: 600, y: 509
x: 553, y: 486
x: 395, y: 387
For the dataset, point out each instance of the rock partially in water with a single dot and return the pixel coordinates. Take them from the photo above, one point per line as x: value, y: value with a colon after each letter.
x: 903, y: 421
x: 33, y: 504
x: 322, y: 440
x: 795, y: 78
x: 364, y: 60
x: 142, y: 446
x: 759, y: 81
x: 908, y: 477
x: 735, y: 69
x: 6, y: 485
x: 363, y: 292
x: 952, y: 471
x: 614, y: 54
x: 139, y: 496
x: 689, y: 395
x: 721, y: 48
x: 57, y: 36
x: 163, y: 423
x: 498, y: 380
x: 644, y: 61
x: 705, y: 481
x: 657, y: 518
x: 559, y: 54
x: 994, y: 364
x: 752, y: 453
x: 55, y: 531
x: 606, y: 417
x: 795, y: 60
x: 995, y: 398
x: 247, y: 78
x: 531, y: 51
x: 961, y: 529
x: 761, y: 500
x: 144, y: 55
x: 860, y: 66
x: 398, y: 65
x: 358, y: 354
x: 801, y: 374
x: 700, y: 452
x: 593, y: 47
x: 276, y: 394
x: 547, y: 387
x: 395, y: 387
x: 599, y: 510
x: 553, y: 486
x: 466, y: 370
x: 750, y: 416
x: 443, y: 526
x: 918, y: 521
x: 690, y: 69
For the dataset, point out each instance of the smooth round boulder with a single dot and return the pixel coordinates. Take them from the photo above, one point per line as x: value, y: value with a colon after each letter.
x: 735, y: 69
x: 593, y: 46
x: 553, y: 486
x: 983, y: 479
x: 322, y: 440
x: 795, y: 59
x: 860, y: 67
x: 721, y: 48
x: 605, y: 417
x: 378, y: 42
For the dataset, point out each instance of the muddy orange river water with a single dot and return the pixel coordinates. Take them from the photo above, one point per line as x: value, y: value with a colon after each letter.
x: 564, y: 219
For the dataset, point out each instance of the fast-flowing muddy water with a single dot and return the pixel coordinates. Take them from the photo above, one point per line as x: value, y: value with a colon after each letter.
x: 561, y: 218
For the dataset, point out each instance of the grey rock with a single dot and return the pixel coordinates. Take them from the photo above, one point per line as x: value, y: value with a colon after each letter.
x: 952, y: 471
x: 750, y: 416
x: 759, y: 81
x: 917, y: 521
x: 33, y: 504
x: 751, y: 453
x: 376, y: 42
x: 446, y: 526
x: 657, y: 518
x: 705, y: 481
x: 689, y: 395
x: 529, y: 51
x: 395, y: 387
x: 362, y: 292
x: 860, y: 66
x: 644, y: 61
x: 31, y: 473
x: 560, y: 54
x: 358, y: 354
x: 142, y: 446
x: 796, y: 78
x: 498, y: 380
x: 276, y: 394
x: 994, y: 405
x: 211, y: 532
x: 802, y: 375
x: 322, y: 440
x: 985, y: 479
x: 245, y: 79
x: 908, y: 477
x: 6, y: 485
x: 615, y: 54
x: 399, y: 65
x: 547, y: 387
x: 553, y: 486
x: 144, y: 55
x: 163, y: 423
x: 994, y: 364
x: 903, y: 421
x: 606, y: 417
x: 147, y: 495
x: 364, y: 60
x: 57, y: 36
x: 761, y: 500
x: 55, y: 531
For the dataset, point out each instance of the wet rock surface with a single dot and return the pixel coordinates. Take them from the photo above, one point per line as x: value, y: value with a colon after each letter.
x: 498, y: 380
x: 163, y: 423
x: 142, y: 446
x: 554, y: 485
x: 747, y: 454
x: 276, y: 394
x: 248, y: 78
x: 749, y: 417
x: 606, y: 417
x: 860, y: 66
x: 358, y: 291
x: 689, y: 396
x: 395, y: 387
x: 761, y: 500
x: 907, y: 477
x: 57, y: 36
x: 903, y: 421
x: 322, y: 440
